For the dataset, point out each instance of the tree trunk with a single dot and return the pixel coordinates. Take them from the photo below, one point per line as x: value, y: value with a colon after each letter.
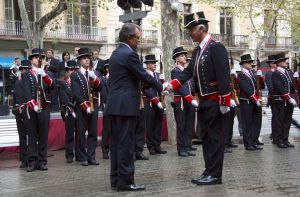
x: 170, y: 40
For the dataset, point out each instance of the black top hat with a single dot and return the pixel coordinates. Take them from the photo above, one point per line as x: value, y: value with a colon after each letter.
x: 36, y: 52
x: 279, y: 57
x: 194, y: 19
x: 72, y: 64
x: 25, y: 64
x: 150, y: 58
x: 84, y: 52
x: 178, y: 51
x: 246, y: 58
x: 271, y: 59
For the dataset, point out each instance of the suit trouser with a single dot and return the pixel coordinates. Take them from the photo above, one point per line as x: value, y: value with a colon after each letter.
x: 37, y: 130
x: 229, y: 121
x: 70, y: 131
x: 251, y: 120
x: 105, y: 135
x: 282, y: 116
x: 271, y: 103
x: 122, y: 149
x: 22, y: 138
x: 86, y: 122
x: 140, y: 132
x: 238, y: 115
x: 185, y: 122
x: 154, y: 117
x: 212, y: 124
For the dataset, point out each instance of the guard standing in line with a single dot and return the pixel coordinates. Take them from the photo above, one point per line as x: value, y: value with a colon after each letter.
x: 184, y: 106
x: 283, y: 102
x: 36, y: 92
x: 67, y: 104
x: 86, y: 107
x: 18, y: 111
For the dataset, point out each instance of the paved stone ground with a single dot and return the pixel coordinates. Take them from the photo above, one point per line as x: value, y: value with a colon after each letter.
x: 270, y: 172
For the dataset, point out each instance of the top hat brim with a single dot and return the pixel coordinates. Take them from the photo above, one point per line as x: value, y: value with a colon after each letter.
x: 196, y: 22
x: 150, y: 61
x: 280, y: 59
x: 270, y: 61
x: 248, y: 60
x: 36, y: 54
x: 84, y: 54
x: 21, y: 67
x: 178, y: 53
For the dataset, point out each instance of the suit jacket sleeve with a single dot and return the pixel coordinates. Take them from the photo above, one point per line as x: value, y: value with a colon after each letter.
x: 27, y: 96
x: 183, y: 90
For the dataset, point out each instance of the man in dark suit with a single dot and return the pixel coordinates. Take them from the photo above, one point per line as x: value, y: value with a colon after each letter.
x: 122, y: 106
x: 37, y: 119
x: 210, y: 68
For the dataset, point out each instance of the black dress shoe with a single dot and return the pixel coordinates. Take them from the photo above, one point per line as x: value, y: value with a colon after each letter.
x: 84, y: 163
x: 43, y: 167
x: 250, y: 148
x: 105, y: 156
x: 231, y: 145
x: 159, y: 150
x: 209, y: 180
x: 183, y: 154
x: 195, y: 180
x: 227, y: 150
x: 69, y: 160
x: 190, y: 154
x: 141, y: 156
x: 31, y: 168
x: 289, y: 145
x: 281, y: 145
x: 132, y: 187
x: 257, y: 147
x: 23, y: 164
x: 191, y: 148
x: 93, y: 162
x: 259, y: 143
x: 152, y: 151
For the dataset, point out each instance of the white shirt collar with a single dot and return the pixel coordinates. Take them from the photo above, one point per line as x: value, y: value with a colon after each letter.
x: 204, y: 41
x: 246, y: 71
x: 82, y: 70
x: 180, y: 67
x: 150, y: 72
x: 281, y: 69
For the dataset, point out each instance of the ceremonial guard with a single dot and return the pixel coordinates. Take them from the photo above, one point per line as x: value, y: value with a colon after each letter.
x: 85, y: 86
x: 184, y: 106
x: 283, y: 102
x: 154, y: 109
x: 18, y: 111
x: 250, y: 104
x: 210, y: 67
x: 36, y: 93
x: 67, y: 104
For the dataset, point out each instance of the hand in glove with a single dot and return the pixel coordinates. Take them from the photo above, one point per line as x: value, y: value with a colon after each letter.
x: 162, y: 77
x: 224, y: 109
x: 293, y: 102
x: 232, y: 103
x: 36, y: 109
x: 40, y: 71
x: 296, y: 75
x: 195, y: 103
x: 233, y: 71
x: 92, y: 74
x: 258, y: 103
x: 88, y: 110
x: 73, y: 114
x: 159, y: 105
x: 259, y: 73
x: 166, y: 88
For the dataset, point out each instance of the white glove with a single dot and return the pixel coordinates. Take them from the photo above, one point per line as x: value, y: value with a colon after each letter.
x: 233, y: 71
x: 293, y: 102
x: 159, y: 105
x: 224, y: 109
x: 40, y: 71
x: 296, y: 75
x: 92, y: 74
x: 232, y: 103
x: 258, y: 103
x: 162, y: 76
x: 259, y: 73
x: 36, y: 109
x: 195, y: 103
x: 88, y: 110
x: 165, y: 85
x: 73, y: 114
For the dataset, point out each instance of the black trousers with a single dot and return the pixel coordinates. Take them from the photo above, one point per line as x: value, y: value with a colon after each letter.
x: 154, y: 117
x: 251, y: 116
x: 229, y: 121
x: 86, y: 122
x: 282, y: 119
x: 271, y: 104
x: 238, y: 115
x: 122, y: 149
x: 185, y: 124
x: 140, y: 132
x: 105, y: 135
x: 70, y: 138
x: 212, y: 124
x: 22, y: 137
x: 37, y: 130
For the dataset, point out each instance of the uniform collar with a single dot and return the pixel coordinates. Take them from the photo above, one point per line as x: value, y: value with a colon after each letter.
x: 280, y: 69
x: 180, y: 67
x: 204, y: 41
x: 82, y: 70
x: 246, y: 71
x: 150, y: 72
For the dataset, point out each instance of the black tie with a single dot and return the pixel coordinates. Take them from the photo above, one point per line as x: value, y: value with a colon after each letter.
x: 87, y: 74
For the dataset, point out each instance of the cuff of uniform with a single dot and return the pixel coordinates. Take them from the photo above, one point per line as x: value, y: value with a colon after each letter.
x: 286, y: 96
x: 175, y: 83
x: 47, y: 80
x: 85, y: 105
x: 254, y: 97
x: 31, y: 104
x: 224, y: 99
x: 96, y: 82
x: 188, y: 98
x: 155, y: 100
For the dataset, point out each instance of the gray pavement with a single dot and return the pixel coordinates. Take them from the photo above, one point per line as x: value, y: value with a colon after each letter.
x: 270, y: 172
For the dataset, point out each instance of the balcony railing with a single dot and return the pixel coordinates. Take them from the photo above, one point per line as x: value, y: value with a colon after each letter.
x: 148, y: 37
x: 67, y: 32
x: 278, y: 43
